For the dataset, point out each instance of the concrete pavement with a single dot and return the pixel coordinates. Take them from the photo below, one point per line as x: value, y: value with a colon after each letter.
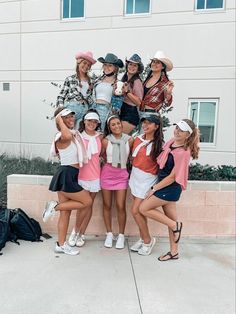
x: 33, y: 279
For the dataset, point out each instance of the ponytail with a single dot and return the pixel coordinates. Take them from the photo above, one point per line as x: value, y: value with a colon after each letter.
x: 192, y: 142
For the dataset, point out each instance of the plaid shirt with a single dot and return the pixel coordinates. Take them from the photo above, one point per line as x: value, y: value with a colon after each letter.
x: 155, y: 97
x: 71, y: 92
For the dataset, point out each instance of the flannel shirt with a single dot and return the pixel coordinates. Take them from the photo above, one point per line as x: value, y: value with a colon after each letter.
x: 155, y: 97
x: 71, y: 92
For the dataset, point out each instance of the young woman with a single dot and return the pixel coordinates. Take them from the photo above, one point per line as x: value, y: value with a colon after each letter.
x: 89, y: 175
x: 76, y: 93
x: 103, y: 87
x: 146, y: 148
x: 172, y: 179
x: 157, y: 86
x: 71, y: 195
x: 114, y: 177
x: 133, y: 91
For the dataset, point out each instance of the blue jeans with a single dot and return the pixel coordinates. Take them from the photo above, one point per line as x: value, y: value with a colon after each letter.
x: 104, y: 111
x: 79, y: 110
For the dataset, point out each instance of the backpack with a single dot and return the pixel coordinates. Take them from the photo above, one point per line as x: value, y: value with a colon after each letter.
x: 24, y: 227
x: 6, y: 233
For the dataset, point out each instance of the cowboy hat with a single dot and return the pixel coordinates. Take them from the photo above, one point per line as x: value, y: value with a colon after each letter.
x: 159, y: 55
x: 112, y: 59
x: 136, y: 59
x: 87, y: 55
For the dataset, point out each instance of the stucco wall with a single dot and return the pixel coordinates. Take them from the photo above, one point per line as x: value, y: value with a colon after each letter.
x: 206, y: 208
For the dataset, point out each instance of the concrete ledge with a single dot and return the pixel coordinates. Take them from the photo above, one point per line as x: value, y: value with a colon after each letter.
x: 207, y: 208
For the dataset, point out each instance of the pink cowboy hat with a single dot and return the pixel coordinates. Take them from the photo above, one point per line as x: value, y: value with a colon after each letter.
x: 87, y: 55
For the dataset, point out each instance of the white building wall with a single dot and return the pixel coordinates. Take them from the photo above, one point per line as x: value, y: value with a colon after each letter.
x: 38, y: 48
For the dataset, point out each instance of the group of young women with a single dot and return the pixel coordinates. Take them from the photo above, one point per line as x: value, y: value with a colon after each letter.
x: 94, y: 145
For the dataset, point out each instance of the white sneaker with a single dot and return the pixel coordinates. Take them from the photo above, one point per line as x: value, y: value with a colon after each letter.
x: 80, y: 240
x: 120, y: 242
x: 136, y: 246
x: 73, y: 238
x: 109, y: 239
x: 49, y: 210
x: 66, y: 249
x: 146, y: 249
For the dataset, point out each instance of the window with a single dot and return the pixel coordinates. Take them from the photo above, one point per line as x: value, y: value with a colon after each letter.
x: 209, y: 4
x: 5, y: 87
x: 203, y: 113
x: 137, y: 6
x: 72, y: 9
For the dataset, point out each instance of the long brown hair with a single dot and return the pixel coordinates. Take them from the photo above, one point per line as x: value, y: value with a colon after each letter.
x: 157, y: 142
x: 78, y: 75
x: 192, y: 142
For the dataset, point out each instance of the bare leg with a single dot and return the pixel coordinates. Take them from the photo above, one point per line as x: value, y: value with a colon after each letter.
x: 63, y: 221
x: 140, y: 220
x: 121, y: 209
x: 170, y: 211
x: 127, y: 127
x: 107, y: 203
x: 148, y: 209
x: 81, y: 225
x: 78, y: 200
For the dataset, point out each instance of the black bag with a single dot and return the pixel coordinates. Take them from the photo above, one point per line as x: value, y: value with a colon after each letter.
x: 6, y: 233
x: 24, y: 227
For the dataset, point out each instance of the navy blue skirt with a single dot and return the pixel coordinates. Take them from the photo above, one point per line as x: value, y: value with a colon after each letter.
x: 170, y: 193
x: 66, y: 180
x: 130, y: 114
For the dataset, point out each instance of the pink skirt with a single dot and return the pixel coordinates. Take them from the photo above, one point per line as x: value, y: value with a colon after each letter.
x: 114, y: 178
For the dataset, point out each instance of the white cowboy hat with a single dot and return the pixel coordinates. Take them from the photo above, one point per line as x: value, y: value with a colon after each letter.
x: 162, y: 57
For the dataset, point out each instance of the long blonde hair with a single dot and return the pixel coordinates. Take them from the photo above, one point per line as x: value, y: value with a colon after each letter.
x: 192, y: 142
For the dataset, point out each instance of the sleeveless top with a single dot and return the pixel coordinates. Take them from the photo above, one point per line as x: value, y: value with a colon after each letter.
x: 69, y: 155
x: 103, y: 91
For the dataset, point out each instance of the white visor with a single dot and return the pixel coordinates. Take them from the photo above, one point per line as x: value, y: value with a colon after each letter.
x: 92, y: 116
x: 65, y: 112
x: 184, y: 126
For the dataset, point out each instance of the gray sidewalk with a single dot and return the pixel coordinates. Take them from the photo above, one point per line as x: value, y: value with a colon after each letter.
x: 33, y: 279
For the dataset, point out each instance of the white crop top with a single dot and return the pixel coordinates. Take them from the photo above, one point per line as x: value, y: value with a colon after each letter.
x: 103, y: 91
x: 69, y: 155
x: 84, y: 88
x: 109, y: 151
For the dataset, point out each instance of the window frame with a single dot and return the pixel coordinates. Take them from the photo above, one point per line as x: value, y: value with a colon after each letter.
x: 208, y: 9
x: 137, y: 14
x: 69, y: 19
x: 199, y: 100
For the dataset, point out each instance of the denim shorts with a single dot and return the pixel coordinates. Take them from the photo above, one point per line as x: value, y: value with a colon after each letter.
x: 104, y: 110
x: 79, y: 110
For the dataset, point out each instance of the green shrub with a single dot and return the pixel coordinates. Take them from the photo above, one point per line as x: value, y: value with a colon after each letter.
x: 14, y: 165
x: 212, y: 173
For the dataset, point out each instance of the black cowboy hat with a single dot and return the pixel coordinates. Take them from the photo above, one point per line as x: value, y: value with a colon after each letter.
x: 112, y: 59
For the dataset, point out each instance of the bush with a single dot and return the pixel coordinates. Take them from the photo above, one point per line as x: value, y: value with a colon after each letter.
x: 212, y: 173
x: 14, y: 165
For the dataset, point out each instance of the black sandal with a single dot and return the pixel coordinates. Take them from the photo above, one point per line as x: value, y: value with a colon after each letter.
x: 175, y: 256
x: 178, y: 230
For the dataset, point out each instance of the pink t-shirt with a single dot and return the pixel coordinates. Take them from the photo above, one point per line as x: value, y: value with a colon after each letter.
x: 91, y: 170
x: 137, y: 90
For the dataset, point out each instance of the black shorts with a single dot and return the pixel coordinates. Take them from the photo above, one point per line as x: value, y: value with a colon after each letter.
x: 66, y: 180
x: 130, y: 114
x: 169, y: 193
